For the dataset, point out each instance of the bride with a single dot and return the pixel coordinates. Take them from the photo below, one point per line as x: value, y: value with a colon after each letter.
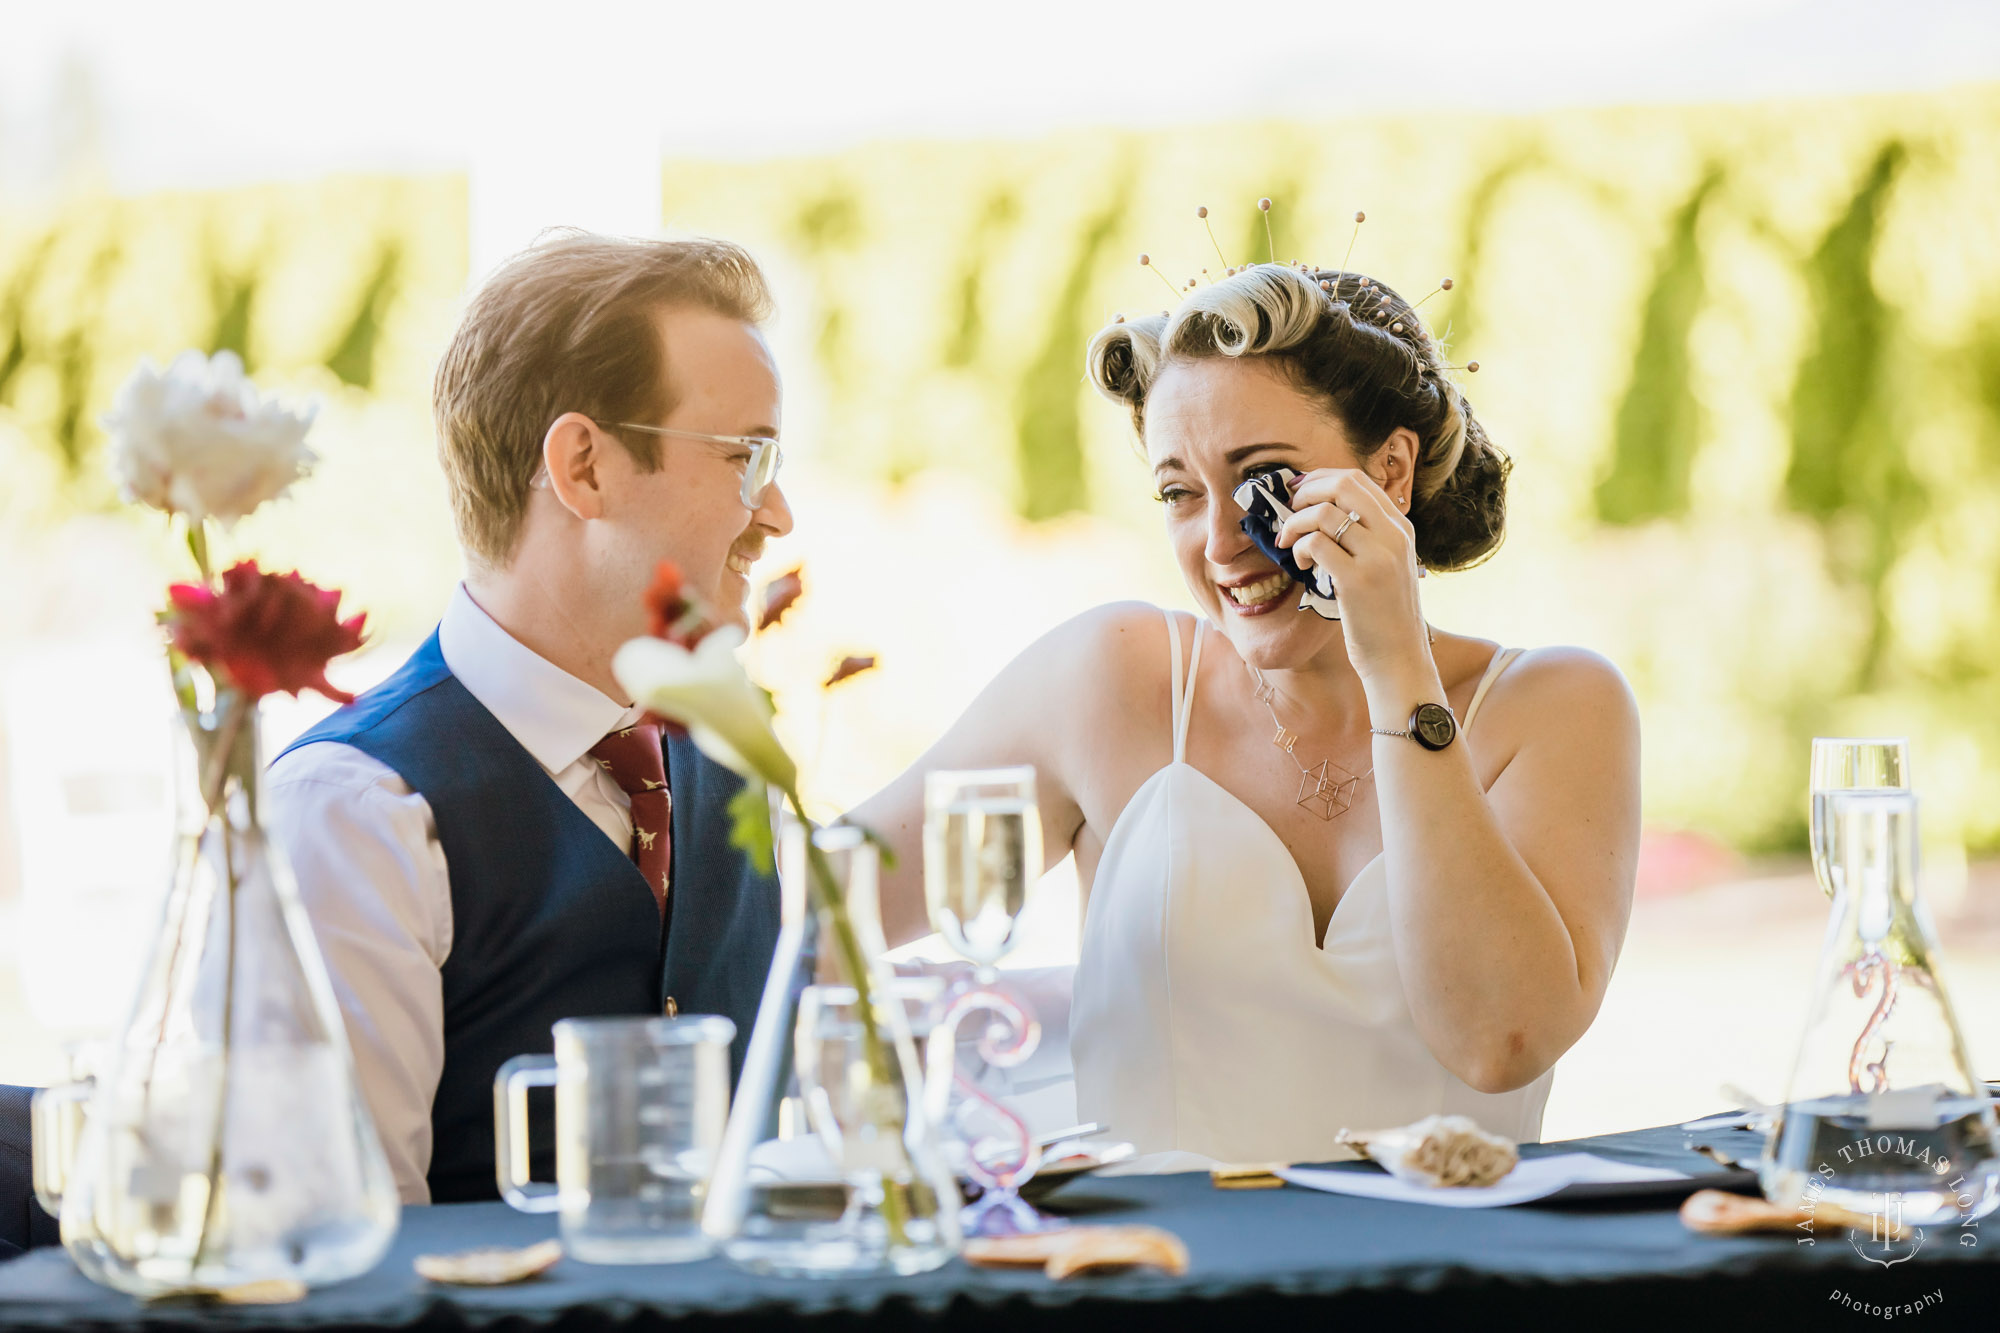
x: 1413, y: 900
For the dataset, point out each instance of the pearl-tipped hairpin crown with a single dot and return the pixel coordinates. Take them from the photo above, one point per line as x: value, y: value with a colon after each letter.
x: 1367, y: 286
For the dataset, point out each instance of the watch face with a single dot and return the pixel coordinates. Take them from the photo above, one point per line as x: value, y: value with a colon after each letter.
x: 1433, y: 726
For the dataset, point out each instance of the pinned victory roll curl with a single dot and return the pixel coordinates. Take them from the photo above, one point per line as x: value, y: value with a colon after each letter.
x: 1344, y: 336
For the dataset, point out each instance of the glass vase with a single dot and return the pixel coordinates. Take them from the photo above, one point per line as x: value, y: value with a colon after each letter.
x: 226, y: 1143
x: 1882, y: 1114
x: 841, y: 1172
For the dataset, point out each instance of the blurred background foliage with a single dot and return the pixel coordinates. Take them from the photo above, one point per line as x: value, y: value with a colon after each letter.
x: 1746, y: 359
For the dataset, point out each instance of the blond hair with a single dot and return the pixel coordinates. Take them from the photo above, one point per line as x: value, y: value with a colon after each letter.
x: 1358, y: 348
x: 567, y: 326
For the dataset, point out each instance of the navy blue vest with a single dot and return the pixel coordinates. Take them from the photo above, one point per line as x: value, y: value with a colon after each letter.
x: 550, y: 919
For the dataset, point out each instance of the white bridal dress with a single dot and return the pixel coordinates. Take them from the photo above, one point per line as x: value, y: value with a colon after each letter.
x: 1205, y: 1018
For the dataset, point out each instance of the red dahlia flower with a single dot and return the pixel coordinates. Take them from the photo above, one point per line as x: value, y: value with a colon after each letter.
x: 263, y: 632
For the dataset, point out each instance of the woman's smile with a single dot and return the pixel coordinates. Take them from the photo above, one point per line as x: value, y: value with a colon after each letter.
x: 1255, y: 594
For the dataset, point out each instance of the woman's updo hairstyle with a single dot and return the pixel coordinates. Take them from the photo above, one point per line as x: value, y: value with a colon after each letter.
x: 1354, y: 345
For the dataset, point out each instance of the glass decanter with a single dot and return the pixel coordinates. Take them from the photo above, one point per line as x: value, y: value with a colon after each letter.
x: 1882, y: 1113
x: 226, y: 1142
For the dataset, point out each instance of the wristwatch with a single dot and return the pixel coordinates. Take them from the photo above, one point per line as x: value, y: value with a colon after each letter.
x: 1431, y: 726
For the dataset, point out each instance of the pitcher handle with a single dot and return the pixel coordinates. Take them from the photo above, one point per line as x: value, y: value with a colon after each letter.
x: 52, y: 1145
x: 510, y: 1132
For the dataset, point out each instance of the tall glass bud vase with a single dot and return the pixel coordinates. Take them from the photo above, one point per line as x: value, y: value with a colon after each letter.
x: 1883, y: 1114
x: 839, y: 1172
x: 228, y: 1142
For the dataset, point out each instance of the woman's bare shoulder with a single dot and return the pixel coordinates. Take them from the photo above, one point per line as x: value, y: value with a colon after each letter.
x: 1113, y: 652
x: 1567, y: 686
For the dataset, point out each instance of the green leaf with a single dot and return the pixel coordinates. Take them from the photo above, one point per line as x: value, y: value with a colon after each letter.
x: 197, y: 541
x: 183, y: 673
x: 750, y: 826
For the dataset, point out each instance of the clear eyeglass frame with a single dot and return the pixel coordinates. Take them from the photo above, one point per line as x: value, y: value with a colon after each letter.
x: 762, y: 469
x: 759, y: 472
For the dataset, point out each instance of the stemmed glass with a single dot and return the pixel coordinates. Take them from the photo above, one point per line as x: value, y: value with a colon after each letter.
x: 982, y: 850
x: 1841, y: 763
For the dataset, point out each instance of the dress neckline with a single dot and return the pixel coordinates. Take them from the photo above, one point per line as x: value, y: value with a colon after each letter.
x: 1182, y: 707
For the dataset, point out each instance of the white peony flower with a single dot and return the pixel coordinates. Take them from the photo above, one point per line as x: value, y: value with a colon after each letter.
x: 708, y: 692
x: 199, y: 439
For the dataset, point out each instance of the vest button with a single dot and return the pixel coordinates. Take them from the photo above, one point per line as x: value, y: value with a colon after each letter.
x: 673, y: 1010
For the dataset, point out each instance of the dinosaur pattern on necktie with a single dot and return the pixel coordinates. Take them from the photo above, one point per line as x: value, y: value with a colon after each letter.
x: 635, y: 761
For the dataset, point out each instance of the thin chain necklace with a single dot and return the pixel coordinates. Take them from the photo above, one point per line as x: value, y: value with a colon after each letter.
x: 1320, y: 792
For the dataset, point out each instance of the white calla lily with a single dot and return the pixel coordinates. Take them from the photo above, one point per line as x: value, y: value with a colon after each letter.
x: 198, y: 439
x: 708, y: 692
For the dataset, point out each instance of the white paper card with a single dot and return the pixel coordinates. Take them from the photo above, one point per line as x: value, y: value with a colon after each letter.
x: 1532, y: 1178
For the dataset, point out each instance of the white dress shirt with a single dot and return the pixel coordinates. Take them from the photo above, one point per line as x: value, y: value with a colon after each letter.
x: 373, y: 877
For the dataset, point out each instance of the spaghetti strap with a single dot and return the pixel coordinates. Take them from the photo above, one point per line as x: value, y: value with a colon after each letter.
x: 1501, y: 661
x: 1183, y: 700
x: 1187, y: 696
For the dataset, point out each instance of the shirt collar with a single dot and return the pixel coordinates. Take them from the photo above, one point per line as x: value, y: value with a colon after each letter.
x: 555, y: 716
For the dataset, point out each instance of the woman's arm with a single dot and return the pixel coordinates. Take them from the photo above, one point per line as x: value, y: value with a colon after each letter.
x: 1508, y: 906
x: 1067, y: 693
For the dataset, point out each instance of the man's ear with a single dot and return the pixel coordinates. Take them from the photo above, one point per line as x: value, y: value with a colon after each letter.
x: 1394, y: 467
x: 571, y: 461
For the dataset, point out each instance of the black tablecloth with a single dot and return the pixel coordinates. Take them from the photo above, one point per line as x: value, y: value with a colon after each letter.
x: 1261, y: 1259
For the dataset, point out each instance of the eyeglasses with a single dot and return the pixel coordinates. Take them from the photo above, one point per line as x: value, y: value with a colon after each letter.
x: 762, y: 469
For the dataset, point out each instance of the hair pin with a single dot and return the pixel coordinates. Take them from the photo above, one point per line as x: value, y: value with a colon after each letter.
x: 1443, y: 286
x: 1359, y: 218
x: 1202, y: 213
x: 1146, y: 261
x: 1270, y: 246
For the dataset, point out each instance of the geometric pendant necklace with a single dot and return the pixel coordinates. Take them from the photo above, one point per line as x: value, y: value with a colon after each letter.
x: 1326, y: 789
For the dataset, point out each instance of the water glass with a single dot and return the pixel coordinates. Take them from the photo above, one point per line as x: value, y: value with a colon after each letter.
x: 858, y: 1078
x: 1840, y: 764
x: 640, y: 1107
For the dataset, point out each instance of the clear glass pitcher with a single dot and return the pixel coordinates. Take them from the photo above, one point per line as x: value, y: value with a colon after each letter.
x: 785, y: 1199
x: 1882, y: 1114
x: 640, y: 1106
x: 225, y: 1141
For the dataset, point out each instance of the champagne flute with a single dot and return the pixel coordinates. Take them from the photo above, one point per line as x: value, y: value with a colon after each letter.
x: 1841, y: 763
x: 982, y: 849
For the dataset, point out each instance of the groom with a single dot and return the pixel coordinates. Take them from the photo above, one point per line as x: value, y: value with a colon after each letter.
x: 494, y: 838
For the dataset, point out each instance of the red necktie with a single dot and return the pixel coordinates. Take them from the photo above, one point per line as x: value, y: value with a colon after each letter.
x: 633, y: 758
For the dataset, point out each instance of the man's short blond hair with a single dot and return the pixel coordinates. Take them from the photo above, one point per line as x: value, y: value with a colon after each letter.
x: 568, y: 326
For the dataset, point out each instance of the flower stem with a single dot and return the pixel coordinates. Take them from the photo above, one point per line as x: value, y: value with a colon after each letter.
x: 882, y: 1070
x: 234, y: 709
x: 198, y: 547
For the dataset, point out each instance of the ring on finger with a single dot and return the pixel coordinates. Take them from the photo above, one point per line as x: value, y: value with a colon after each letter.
x: 1352, y: 519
